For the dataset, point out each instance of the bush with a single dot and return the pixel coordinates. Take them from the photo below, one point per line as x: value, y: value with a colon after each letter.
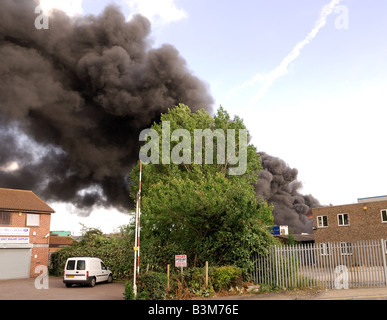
x: 152, y: 286
x: 128, y: 293
x: 223, y: 278
x: 196, y: 282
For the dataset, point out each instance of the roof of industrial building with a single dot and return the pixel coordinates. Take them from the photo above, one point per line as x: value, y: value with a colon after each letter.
x: 298, y: 237
x: 22, y: 200
x: 60, y: 241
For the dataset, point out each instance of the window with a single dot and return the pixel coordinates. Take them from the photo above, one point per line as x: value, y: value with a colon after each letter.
x: 324, y: 249
x: 70, y: 265
x: 322, y: 221
x: 81, y: 265
x: 33, y: 220
x: 103, y: 267
x: 343, y: 219
x: 384, y: 215
x: 5, y: 218
x: 346, y: 248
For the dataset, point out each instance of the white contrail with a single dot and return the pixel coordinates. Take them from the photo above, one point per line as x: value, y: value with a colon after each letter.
x: 281, y: 69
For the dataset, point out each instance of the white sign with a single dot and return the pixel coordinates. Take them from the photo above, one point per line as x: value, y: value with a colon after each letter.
x: 9, y: 231
x: 181, y: 261
x: 14, y: 240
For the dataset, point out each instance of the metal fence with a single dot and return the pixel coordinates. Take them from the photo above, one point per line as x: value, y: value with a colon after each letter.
x: 325, y: 265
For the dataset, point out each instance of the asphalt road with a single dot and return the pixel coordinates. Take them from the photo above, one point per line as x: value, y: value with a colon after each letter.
x: 24, y: 289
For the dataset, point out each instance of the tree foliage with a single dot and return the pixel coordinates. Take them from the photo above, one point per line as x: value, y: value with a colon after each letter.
x: 198, y: 209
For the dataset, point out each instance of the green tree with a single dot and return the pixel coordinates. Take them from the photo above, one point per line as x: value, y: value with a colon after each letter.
x: 199, y: 209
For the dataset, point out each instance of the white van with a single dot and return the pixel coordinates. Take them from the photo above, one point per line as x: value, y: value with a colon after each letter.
x: 86, y: 270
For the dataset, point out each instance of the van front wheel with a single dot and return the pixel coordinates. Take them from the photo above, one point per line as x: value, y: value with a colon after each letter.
x: 110, y: 279
x: 92, y: 282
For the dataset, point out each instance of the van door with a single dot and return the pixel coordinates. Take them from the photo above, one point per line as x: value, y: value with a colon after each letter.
x: 104, y: 272
x: 76, y: 269
x: 81, y: 269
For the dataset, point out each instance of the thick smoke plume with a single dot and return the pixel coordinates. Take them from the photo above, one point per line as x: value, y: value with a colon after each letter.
x: 74, y: 98
x: 278, y: 184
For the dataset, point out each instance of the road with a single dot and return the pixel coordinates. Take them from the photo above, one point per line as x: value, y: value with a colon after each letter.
x: 24, y: 289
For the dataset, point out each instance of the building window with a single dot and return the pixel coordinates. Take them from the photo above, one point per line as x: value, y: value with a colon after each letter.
x: 5, y: 218
x: 33, y: 220
x: 322, y: 221
x: 324, y: 249
x: 343, y: 219
x: 384, y: 215
x: 346, y: 248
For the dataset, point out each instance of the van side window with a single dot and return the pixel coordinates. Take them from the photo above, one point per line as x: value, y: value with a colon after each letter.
x: 71, y: 265
x: 103, y: 267
x: 81, y: 265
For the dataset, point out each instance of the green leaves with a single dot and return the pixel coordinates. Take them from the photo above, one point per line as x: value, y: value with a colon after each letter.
x: 199, y: 209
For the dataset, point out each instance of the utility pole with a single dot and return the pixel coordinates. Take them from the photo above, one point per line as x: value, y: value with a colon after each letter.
x: 136, y: 264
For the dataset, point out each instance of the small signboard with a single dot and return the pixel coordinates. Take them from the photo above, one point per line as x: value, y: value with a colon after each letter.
x: 9, y: 231
x: 181, y: 261
x: 14, y: 240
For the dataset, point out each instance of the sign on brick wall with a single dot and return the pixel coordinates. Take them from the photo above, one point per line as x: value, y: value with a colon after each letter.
x: 10, y: 231
x: 14, y: 239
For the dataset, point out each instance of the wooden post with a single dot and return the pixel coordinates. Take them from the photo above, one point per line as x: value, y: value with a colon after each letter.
x: 168, y: 278
x: 206, y: 274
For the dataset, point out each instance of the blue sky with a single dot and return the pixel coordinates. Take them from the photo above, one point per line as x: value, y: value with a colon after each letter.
x: 324, y: 115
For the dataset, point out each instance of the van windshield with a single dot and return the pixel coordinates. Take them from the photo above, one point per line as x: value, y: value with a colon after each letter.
x: 70, y: 265
x: 81, y: 265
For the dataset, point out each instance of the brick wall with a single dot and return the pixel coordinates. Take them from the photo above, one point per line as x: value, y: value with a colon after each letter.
x: 363, y: 224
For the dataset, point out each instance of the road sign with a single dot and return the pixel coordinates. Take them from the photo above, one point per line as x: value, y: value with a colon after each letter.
x: 181, y: 261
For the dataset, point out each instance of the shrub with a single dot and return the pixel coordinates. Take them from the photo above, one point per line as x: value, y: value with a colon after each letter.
x: 196, y: 282
x: 223, y: 278
x: 152, y: 286
x: 128, y: 293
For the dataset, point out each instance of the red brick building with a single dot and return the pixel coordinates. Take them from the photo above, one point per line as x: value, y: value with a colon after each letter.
x: 365, y: 220
x: 56, y: 242
x: 24, y: 233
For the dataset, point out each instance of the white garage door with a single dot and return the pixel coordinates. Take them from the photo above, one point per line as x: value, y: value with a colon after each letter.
x: 15, y: 263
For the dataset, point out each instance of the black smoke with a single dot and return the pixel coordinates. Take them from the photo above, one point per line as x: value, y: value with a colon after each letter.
x: 74, y: 98
x: 278, y: 184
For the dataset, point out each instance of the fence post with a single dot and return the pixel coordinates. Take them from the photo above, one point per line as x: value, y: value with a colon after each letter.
x: 276, y: 266
x: 206, y: 274
x: 168, y: 278
x: 384, y: 259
